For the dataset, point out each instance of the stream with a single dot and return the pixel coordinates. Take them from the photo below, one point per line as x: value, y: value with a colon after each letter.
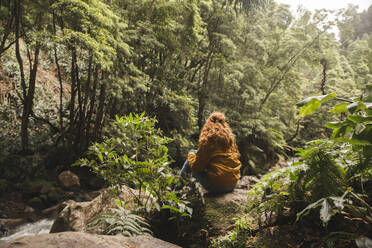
x: 39, y: 227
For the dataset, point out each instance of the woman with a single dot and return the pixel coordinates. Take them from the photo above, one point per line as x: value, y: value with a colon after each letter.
x: 216, y: 163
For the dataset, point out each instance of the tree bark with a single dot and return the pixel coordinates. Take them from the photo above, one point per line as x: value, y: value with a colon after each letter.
x: 60, y: 82
x: 99, y: 117
x: 29, y: 101
x: 72, y: 97
x: 79, y: 138
x: 28, y: 93
x: 203, y: 91
x: 92, y: 103
x: 324, y: 78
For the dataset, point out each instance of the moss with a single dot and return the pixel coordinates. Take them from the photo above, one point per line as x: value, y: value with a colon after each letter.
x: 240, y: 236
x: 53, y: 196
x: 36, y: 186
x: 46, y: 188
x: 221, y: 214
x: 36, y: 203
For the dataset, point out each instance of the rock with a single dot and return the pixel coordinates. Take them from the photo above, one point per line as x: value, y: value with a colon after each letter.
x: 52, y: 212
x: 6, y: 225
x: 246, y: 182
x: 55, y: 195
x: 37, y: 186
x: 76, y: 215
x: 46, y: 188
x: 68, y: 180
x: 147, y: 242
x: 36, y: 203
x: 3, y: 231
x: 12, y: 205
x: 11, y: 223
x: 221, y: 210
x: 29, y: 209
x: 79, y: 240
x: 44, y: 198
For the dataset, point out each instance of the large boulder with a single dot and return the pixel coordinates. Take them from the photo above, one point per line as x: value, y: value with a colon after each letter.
x: 68, y: 180
x: 76, y: 215
x: 7, y: 224
x: 81, y: 240
x: 222, y: 210
x: 215, y: 218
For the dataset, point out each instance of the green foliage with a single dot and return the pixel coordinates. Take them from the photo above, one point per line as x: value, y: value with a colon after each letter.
x: 235, y: 238
x: 179, y: 61
x: 350, y: 204
x: 119, y: 221
x: 331, y: 175
x: 311, y: 104
x: 270, y: 195
x: 321, y: 177
x: 134, y: 154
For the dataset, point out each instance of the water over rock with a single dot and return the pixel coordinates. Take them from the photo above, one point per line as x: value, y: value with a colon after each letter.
x: 39, y: 227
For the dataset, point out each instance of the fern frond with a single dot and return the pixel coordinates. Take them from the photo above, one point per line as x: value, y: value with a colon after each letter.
x: 120, y: 222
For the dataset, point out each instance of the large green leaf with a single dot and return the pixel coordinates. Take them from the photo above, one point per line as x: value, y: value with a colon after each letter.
x: 359, y: 119
x: 311, y: 104
x: 340, y: 108
x: 353, y: 141
x: 336, y: 124
x: 338, y: 132
x: 355, y: 106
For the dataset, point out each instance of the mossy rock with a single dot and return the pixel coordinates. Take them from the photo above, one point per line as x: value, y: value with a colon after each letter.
x: 36, y: 203
x: 55, y: 195
x: 221, y: 211
x: 47, y: 187
x: 36, y: 186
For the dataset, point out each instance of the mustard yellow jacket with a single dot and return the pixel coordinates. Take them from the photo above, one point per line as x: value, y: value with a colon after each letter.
x: 221, y: 165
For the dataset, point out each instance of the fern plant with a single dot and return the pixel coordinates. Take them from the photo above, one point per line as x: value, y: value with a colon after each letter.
x: 321, y: 177
x: 269, y: 196
x: 120, y: 221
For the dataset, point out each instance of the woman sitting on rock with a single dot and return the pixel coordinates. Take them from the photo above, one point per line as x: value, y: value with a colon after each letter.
x: 216, y: 163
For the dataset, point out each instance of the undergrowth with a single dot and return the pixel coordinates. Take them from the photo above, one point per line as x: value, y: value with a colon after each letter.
x: 330, y: 185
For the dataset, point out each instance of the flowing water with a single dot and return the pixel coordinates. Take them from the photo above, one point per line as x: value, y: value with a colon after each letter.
x: 39, y: 227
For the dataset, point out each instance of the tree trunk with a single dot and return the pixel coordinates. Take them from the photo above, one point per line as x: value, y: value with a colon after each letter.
x: 72, y: 98
x: 324, y: 78
x: 92, y: 103
x: 203, y: 91
x: 99, y: 117
x: 80, y: 108
x: 29, y: 101
x: 60, y: 82
x: 28, y: 94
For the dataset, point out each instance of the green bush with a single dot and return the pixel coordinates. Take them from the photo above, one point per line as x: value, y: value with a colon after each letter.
x: 333, y: 175
x: 134, y: 153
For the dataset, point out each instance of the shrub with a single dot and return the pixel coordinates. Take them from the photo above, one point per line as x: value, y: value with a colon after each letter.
x: 333, y: 175
x: 134, y: 153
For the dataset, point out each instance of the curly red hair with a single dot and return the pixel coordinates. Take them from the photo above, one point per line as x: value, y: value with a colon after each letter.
x: 217, y: 130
